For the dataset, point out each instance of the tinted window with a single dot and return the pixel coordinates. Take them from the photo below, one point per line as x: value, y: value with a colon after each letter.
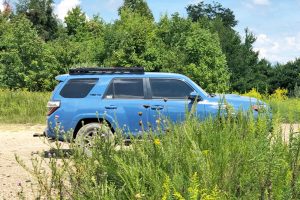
x: 170, y: 88
x: 78, y: 88
x: 125, y: 89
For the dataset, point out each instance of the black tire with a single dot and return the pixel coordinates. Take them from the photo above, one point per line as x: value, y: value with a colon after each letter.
x: 84, y: 137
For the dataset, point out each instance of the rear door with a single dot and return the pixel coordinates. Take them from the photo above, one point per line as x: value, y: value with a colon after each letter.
x: 124, y: 101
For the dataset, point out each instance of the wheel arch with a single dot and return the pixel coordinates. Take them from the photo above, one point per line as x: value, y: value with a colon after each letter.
x: 85, y: 121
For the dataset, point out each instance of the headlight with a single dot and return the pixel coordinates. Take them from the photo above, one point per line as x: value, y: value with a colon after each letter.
x: 259, y: 107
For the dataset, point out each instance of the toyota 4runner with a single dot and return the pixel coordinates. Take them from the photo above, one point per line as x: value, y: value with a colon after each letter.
x: 131, y: 100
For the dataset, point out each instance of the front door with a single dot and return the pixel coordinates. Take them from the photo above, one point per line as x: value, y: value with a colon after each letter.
x: 169, y: 101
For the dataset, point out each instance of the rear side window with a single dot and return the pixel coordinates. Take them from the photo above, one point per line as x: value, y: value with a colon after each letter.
x: 170, y: 88
x: 125, y: 89
x: 78, y: 88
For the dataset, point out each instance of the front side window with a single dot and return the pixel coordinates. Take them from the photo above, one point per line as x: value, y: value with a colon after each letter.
x: 78, y: 88
x: 125, y: 89
x: 170, y: 88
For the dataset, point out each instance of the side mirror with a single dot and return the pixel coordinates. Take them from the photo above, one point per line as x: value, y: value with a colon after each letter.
x: 194, y: 96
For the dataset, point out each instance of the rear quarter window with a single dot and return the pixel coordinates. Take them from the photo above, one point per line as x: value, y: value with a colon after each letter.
x: 78, y: 88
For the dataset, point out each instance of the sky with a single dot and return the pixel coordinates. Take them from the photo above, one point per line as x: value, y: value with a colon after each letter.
x: 276, y: 23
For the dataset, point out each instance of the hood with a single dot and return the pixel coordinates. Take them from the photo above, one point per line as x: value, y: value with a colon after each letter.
x: 238, y: 101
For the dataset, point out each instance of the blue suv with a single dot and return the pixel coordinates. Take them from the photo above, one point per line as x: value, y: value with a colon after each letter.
x: 131, y: 100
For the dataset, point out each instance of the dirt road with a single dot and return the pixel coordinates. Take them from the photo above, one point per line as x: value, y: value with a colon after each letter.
x: 19, y: 140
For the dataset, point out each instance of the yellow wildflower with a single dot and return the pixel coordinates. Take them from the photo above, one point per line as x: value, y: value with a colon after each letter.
x: 205, y: 152
x: 93, y: 179
x: 139, y: 196
x: 96, y: 162
x: 157, y: 142
x: 178, y: 196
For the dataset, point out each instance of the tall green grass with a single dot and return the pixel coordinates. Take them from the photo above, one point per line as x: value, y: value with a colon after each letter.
x: 23, y: 106
x: 289, y: 109
x: 222, y: 158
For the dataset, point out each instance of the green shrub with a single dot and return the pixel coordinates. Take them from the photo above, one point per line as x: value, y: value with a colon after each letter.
x: 279, y: 94
x: 253, y: 93
x: 296, y: 92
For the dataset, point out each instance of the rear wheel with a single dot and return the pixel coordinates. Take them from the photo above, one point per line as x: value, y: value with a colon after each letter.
x: 87, y: 133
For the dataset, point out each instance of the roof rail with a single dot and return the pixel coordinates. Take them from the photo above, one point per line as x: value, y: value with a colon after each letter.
x: 107, y: 70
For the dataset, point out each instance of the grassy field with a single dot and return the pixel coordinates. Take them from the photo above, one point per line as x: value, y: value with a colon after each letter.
x: 288, y: 109
x: 23, y: 107
x: 214, y: 159
x: 224, y: 158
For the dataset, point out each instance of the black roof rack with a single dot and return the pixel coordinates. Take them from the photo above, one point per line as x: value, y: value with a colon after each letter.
x: 107, y: 70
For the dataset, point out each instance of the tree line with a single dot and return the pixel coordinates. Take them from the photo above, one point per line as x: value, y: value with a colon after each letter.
x: 35, y: 46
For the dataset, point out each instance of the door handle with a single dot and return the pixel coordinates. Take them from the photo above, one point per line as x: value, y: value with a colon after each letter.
x: 112, y: 107
x: 146, y: 106
x: 157, y: 107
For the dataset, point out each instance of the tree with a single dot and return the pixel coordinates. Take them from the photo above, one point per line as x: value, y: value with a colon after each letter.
x: 7, y: 9
x: 243, y: 62
x: 259, y: 77
x: 206, y: 64
x: 40, y: 13
x: 211, y: 12
x: 204, y: 46
x: 137, y: 6
x: 131, y: 41
x: 296, y: 91
x: 193, y: 51
x: 286, y: 76
x: 25, y: 62
x: 174, y: 31
x: 75, y: 20
x: 85, y: 45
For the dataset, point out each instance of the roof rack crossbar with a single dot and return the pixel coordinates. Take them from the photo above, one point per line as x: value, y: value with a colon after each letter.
x: 107, y: 70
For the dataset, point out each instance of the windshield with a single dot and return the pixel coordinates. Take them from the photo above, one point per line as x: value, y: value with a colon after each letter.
x: 201, y: 90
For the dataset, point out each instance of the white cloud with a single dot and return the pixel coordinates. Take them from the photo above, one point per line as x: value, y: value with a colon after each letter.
x: 64, y: 6
x: 281, y: 49
x: 1, y: 5
x: 293, y: 42
x: 114, y: 4
x: 290, y: 40
x: 261, y: 2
